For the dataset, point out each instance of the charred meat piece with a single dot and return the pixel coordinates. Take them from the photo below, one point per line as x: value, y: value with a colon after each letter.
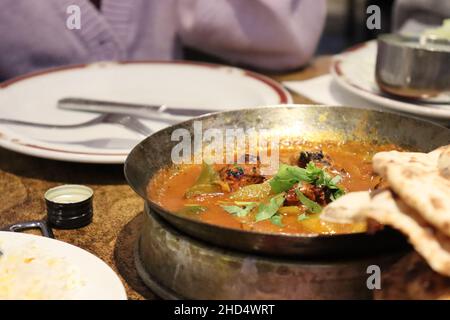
x: 308, y: 156
x: 321, y: 195
x: 291, y: 197
x: 237, y: 176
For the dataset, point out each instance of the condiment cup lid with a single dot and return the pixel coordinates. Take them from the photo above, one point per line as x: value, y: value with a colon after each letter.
x: 69, y: 193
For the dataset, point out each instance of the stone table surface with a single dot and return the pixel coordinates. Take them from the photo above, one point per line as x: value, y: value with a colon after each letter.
x: 117, y: 209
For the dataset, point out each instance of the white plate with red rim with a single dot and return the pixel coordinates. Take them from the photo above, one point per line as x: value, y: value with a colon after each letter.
x: 39, y: 268
x: 354, y: 71
x: 34, y: 97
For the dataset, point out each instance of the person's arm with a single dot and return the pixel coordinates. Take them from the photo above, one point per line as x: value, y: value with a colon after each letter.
x: 34, y: 36
x: 267, y: 34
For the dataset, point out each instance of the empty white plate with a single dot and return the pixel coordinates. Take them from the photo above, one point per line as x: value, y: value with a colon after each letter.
x: 39, y: 268
x: 180, y: 84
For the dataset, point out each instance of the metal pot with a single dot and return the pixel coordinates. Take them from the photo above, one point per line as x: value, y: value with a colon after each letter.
x: 175, y: 266
x: 407, y: 68
x: 154, y: 153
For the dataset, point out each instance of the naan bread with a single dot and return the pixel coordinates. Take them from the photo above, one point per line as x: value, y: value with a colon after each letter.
x: 346, y: 209
x: 386, y: 209
x: 420, y: 208
x: 419, y: 179
x: 444, y: 163
x: 426, y: 192
x: 425, y: 161
x: 430, y: 243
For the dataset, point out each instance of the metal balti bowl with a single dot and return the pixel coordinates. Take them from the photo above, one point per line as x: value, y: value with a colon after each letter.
x: 175, y: 266
x: 154, y: 153
x: 407, y: 68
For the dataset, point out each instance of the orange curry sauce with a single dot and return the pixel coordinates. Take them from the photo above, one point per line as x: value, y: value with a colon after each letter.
x: 351, y: 159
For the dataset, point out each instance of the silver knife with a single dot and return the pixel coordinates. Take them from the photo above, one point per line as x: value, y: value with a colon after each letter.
x: 133, y: 109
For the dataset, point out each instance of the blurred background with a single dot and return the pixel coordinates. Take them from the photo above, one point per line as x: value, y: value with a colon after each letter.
x: 346, y: 24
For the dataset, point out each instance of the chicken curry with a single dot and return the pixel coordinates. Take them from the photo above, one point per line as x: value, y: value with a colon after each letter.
x: 242, y: 196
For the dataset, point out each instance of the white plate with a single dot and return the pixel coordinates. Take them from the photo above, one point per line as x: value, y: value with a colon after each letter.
x: 35, y: 267
x: 354, y: 70
x: 181, y: 84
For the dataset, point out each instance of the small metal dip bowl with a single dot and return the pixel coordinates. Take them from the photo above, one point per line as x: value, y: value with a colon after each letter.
x: 69, y: 206
x: 413, y: 67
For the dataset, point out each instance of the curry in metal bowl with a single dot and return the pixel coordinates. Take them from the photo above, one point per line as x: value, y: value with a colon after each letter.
x: 245, y: 195
x: 220, y: 204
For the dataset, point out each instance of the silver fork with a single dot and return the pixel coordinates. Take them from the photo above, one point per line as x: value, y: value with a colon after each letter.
x: 102, y: 143
x: 126, y: 121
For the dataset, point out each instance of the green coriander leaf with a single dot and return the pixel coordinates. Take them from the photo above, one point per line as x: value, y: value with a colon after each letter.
x: 277, y: 220
x: 239, y: 211
x: 312, y: 206
x: 323, y: 179
x: 337, y: 194
x: 286, y: 177
x: 267, y: 210
x: 316, y: 175
x: 235, y: 210
x: 281, y: 185
x: 312, y: 170
x: 335, y: 180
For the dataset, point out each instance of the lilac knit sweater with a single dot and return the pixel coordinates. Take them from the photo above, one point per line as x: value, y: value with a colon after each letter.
x: 270, y: 34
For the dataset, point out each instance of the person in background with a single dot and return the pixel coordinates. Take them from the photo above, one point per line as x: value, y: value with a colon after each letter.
x: 265, y: 34
x: 415, y: 16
